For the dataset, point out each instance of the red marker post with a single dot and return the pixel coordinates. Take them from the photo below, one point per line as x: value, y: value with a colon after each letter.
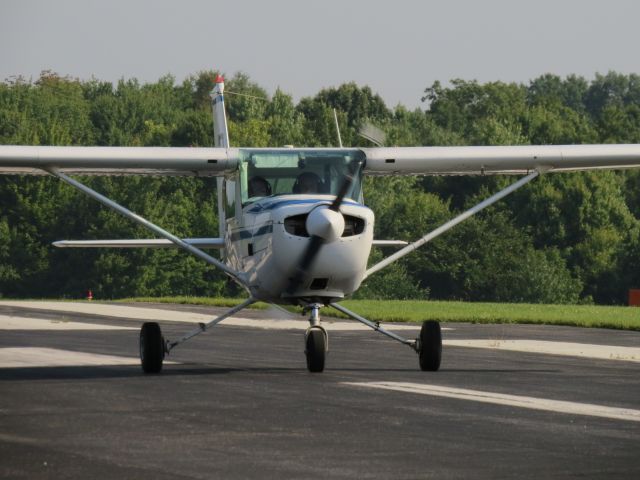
x: 634, y: 297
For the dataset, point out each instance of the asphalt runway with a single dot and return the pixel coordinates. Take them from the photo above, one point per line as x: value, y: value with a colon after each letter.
x: 238, y: 402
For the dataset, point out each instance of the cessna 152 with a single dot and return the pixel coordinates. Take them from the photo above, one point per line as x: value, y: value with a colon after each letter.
x: 293, y: 226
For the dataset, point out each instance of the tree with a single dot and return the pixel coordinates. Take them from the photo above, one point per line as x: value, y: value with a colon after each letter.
x: 286, y: 124
x: 355, y: 106
x: 563, y: 238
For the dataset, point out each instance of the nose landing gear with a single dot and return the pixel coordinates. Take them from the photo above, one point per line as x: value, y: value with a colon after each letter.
x: 316, y: 349
x: 316, y: 341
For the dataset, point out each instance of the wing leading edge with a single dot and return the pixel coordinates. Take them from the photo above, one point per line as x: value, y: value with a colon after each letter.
x: 499, y: 160
x: 31, y: 160
x: 139, y: 243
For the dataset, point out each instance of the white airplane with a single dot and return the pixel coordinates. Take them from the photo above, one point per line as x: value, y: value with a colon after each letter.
x: 293, y: 225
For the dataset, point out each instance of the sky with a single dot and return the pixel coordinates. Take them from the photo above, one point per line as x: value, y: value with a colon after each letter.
x: 396, y: 47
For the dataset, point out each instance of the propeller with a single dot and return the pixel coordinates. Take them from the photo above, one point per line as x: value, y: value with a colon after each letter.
x: 324, y: 224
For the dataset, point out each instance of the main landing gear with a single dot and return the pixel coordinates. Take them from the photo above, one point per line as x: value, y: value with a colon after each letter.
x: 428, y: 345
x: 152, y: 347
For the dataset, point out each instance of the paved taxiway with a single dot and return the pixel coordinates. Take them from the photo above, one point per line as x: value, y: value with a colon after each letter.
x: 238, y: 402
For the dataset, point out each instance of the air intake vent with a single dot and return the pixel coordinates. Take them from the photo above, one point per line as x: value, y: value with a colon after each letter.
x: 296, y: 225
x: 353, y: 226
x: 319, y: 284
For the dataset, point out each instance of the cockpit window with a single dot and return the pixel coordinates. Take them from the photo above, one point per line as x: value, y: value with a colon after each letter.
x: 291, y: 171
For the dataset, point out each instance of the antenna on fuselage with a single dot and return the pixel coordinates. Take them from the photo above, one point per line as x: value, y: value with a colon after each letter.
x: 335, y: 117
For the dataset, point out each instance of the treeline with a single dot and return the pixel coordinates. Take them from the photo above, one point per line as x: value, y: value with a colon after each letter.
x: 565, y: 238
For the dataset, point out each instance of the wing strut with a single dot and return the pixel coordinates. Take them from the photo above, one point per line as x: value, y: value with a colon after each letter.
x: 451, y: 223
x: 147, y: 224
x: 203, y: 327
x: 374, y: 325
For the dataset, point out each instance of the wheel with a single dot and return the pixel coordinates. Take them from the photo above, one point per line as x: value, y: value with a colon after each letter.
x: 316, y: 349
x: 430, y: 346
x: 151, y: 347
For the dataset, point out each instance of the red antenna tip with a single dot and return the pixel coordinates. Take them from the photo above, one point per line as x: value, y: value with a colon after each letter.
x: 219, y: 79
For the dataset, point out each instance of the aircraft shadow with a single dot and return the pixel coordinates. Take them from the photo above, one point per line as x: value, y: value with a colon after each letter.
x: 499, y: 370
x: 444, y: 370
x: 103, y: 372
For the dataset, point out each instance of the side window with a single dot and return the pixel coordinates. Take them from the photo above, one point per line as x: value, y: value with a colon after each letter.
x: 230, y: 198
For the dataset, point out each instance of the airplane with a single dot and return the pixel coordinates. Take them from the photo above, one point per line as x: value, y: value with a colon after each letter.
x: 294, y: 229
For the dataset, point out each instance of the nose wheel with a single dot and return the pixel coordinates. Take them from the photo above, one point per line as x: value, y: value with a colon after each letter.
x: 316, y: 341
x: 316, y: 348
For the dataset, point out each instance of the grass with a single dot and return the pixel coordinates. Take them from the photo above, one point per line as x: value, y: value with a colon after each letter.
x: 592, y: 316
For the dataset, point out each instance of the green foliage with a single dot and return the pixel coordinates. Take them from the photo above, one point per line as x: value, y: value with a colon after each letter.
x: 244, y: 100
x: 392, y: 282
x: 356, y: 105
x: 565, y: 238
x: 286, y: 125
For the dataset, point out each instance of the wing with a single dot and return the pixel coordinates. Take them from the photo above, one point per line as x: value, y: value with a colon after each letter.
x: 379, y: 161
x: 498, y: 160
x: 118, y: 160
x: 140, y: 243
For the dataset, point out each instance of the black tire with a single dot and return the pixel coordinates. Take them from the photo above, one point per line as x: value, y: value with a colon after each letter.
x: 430, y: 346
x: 316, y: 349
x: 151, y: 347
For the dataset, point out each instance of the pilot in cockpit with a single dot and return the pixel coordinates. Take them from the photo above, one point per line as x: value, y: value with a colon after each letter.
x: 307, y: 182
x: 259, y: 187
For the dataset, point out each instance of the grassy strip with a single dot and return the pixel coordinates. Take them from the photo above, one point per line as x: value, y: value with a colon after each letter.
x: 624, y: 318
x: 186, y: 300
x: 594, y: 316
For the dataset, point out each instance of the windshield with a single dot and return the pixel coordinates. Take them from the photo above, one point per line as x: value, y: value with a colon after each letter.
x: 294, y: 171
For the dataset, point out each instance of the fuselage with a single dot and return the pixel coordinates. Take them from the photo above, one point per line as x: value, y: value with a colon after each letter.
x: 267, y: 241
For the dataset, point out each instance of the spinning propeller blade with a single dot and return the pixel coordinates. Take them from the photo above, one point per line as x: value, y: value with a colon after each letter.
x: 316, y: 241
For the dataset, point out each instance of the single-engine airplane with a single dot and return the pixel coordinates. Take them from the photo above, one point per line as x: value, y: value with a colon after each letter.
x: 293, y: 225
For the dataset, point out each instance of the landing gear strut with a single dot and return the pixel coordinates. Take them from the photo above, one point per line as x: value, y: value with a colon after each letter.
x: 153, y: 347
x: 428, y: 345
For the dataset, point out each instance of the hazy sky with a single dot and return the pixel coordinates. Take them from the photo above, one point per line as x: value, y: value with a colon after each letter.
x: 397, y: 47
